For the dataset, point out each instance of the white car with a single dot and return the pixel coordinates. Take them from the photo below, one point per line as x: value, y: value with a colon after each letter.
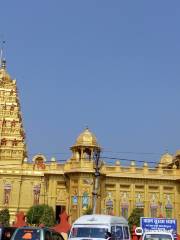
x: 157, y: 235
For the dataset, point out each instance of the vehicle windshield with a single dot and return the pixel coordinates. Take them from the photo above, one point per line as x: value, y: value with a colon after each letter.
x: 88, y: 232
x: 157, y: 237
x: 7, y: 233
x: 27, y: 234
x: 0, y: 233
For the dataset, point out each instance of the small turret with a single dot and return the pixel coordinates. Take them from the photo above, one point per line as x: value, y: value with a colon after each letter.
x: 85, y: 145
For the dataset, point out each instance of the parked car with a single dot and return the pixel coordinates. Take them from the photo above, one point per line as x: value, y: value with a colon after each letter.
x: 6, y: 232
x: 157, y: 235
x: 36, y: 233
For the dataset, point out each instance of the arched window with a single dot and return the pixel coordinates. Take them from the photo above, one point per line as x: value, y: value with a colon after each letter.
x: 139, y: 200
x: 36, y: 193
x: 109, y: 207
x: 109, y: 204
x: 39, y: 161
x: 14, y: 142
x: 7, y: 191
x: 124, y: 204
x: 87, y: 154
x: 168, y: 206
x: 85, y: 200
x: 153, y: 205
x: 168, y: 209
x: 13, y: 123
x: 3, y: 141
x: 74, y: 200
x: 153, y: 210
x: 124, y: 210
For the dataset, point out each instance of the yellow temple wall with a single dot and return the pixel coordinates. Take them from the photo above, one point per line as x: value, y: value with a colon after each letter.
x: 59, y: 183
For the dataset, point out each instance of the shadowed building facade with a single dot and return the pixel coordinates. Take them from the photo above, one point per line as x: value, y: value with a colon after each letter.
x: 24, y: 182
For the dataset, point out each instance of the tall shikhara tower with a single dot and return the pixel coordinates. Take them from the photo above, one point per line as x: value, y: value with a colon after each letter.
x: 12, y: 137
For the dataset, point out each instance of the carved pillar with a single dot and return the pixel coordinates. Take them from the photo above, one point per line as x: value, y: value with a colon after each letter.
x: 117, y: 207
x: 146, y: 200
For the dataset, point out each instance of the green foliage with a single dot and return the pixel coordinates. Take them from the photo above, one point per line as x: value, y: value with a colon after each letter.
x: 134, y: 218
x: 41, y: 214
x: 4, y: 217
x: 88, y: 211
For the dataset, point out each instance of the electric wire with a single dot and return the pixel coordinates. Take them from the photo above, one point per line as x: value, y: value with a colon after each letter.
x: 104, y: 151
x: 101, y: 159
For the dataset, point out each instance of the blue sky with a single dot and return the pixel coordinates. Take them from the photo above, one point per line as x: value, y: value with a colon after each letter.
x: 111, y: 65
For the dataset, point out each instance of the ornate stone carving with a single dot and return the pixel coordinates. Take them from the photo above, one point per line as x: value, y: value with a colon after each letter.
x: 139, y: 201
x: 61, y: 194
x: 7, y: 191
x: 36, y: 193
x: 124, y: 199
x: 168, y: 201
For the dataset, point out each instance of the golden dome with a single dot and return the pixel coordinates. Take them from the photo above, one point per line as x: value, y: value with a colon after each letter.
x: 166, y: 159
x: 86, y: 138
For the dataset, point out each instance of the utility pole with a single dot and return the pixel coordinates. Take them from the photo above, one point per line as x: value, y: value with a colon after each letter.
x: 97, y: 175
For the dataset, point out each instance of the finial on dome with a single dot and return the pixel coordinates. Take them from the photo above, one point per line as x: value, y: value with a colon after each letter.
x: 2, y: 60
x: 3, y: 64
x: 166, y: 149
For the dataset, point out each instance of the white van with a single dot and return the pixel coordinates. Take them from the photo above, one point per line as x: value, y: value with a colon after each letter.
x: 100, y: 227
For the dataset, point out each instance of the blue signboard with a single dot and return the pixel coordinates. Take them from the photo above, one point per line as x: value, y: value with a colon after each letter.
x: 159, y: 224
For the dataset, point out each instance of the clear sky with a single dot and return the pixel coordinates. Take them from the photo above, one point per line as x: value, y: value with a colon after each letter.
x: 113, y: 66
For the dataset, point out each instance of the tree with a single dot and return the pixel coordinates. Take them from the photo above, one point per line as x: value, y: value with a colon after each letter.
x: 4, y: 217
x: 134, y: 218
x: 88, y: 211
x: 41, y: 214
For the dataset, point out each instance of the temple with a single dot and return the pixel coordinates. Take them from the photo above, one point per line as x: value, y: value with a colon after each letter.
x: 25, y: 182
